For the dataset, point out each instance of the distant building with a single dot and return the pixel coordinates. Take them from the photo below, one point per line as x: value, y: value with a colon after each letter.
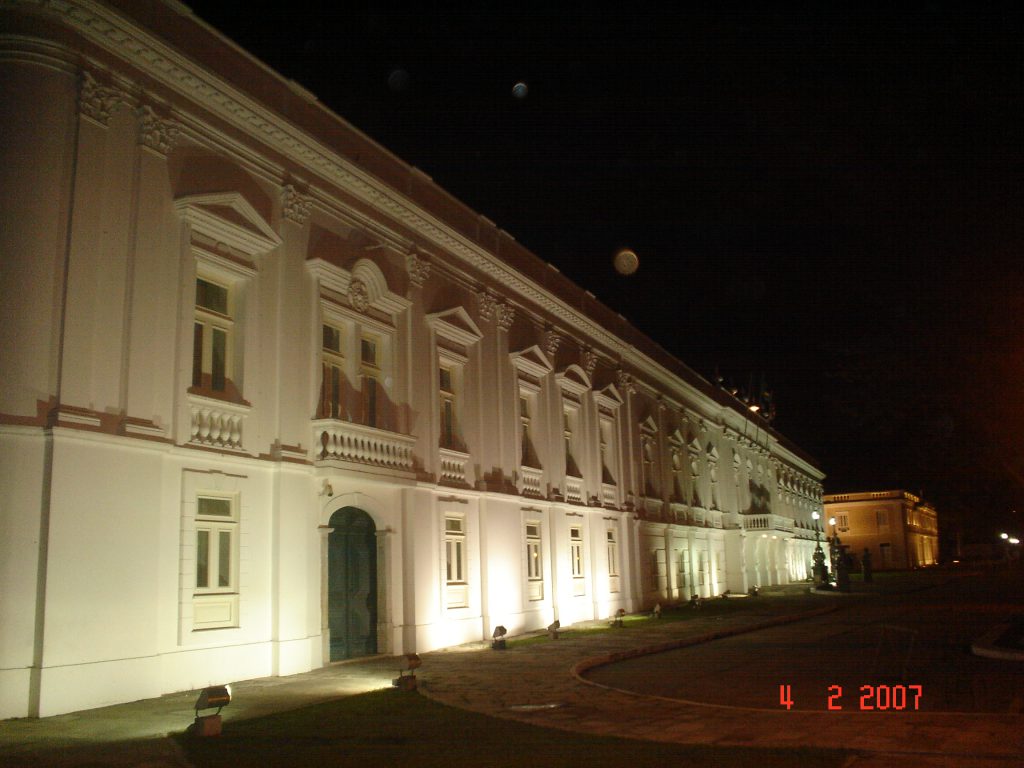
x: 896, y: 527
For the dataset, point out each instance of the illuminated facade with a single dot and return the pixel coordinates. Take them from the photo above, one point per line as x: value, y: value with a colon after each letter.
x: 271, y: 398
x: 896, y: 527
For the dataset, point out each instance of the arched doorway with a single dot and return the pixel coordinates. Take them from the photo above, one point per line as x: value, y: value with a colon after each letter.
x: 352, y: 584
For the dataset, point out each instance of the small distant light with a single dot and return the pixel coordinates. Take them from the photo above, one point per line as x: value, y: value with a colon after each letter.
x: 755, y: 408
x: 520, y: 89
x: 815, y: 515
x: 831, y: 521
x: 1015, y: 540
x: 1004, y: 535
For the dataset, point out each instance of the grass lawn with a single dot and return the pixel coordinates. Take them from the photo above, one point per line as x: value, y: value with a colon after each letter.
x: 391, y: 728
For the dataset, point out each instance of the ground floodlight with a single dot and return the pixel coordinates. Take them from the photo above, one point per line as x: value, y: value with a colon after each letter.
x: 617, y: 620
x: 218, y: 696
x: 553, y: 628
x: 410, y: 663
x: 498, y: 638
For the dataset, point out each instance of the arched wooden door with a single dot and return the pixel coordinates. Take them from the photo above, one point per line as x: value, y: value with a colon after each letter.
x: 352, y: 584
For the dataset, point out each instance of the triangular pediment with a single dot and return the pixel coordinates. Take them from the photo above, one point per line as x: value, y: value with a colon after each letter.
x: 694, y: 446
x: 676, y: 438
x: 649, y: 426
x: 531, y: 361
x: 609, y: 397
x: 712, y: 452
x: 228, y: 218
x: 455, y: 325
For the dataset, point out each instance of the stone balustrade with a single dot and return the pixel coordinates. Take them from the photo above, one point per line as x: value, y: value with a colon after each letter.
x: 336, y: 440
x: 530, y: 481
x: 453, y: 466
x: 574, y: 489
x: 216, y: 423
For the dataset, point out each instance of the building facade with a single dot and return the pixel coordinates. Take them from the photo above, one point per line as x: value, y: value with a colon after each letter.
x: 270, y: 398
x: 898, y: 528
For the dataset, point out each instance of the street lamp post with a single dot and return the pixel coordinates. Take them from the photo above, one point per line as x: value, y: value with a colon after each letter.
x: 820, y: 571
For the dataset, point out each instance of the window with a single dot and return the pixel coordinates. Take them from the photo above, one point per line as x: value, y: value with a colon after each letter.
x: 613, y: 553
x: 333, y: 362
x: 212, y: 336
x: 455, y: 562
x: 842, y: 522
x: 576, y: 552
x: 369, y: 373
x: 447, y: 390
x: 568, y: 424
x: 527, y: 457
x: 683, y: 560
x: 533, y: 553
x: 216, y: 531
x: 882, y: 518
x: 215, y: 593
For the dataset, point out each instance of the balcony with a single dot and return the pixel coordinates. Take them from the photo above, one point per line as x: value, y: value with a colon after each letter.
x: 609, y: 495
x: 574, y: 489
x: 767, y: 523
x: 216, y: 423
x: 453, y: 467
x: 530, y: 481
x: 348, y: 443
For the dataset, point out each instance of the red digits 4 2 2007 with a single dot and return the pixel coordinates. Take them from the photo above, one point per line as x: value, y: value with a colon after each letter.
x: 872, y: 697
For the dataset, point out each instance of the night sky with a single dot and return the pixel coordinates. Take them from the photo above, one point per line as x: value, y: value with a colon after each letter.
x: 830, y: 198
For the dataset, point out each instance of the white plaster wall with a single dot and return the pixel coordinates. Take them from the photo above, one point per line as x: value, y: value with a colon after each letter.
x: 22, y: 476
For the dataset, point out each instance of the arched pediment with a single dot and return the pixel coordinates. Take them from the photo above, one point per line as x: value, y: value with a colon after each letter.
x: 573, y: 380
x: 379, y: 295
x: 228, y: 218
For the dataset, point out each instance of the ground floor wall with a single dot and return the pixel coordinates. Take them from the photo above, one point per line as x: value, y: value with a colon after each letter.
x: 134, y: 568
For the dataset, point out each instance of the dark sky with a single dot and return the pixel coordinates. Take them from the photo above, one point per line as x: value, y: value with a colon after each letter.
x: 829, y: 197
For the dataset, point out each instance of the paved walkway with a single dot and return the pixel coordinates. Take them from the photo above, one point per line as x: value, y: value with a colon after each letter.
x: 542, y: 683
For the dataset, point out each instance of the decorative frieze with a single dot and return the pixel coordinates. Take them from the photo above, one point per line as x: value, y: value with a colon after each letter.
x: 294, y: 206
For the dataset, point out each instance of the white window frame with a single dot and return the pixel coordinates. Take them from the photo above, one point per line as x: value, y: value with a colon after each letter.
x: 534, y: 544
x: 215, y: 605
x: 577, y: 563
x: 333, y: 361
x: 213, y: 322
x: 457, y: 578
x: 355, y: 327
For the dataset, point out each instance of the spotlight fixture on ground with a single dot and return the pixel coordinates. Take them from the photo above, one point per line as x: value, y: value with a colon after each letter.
x: 553, y: 628
x: 410, y: 663
x: 498, y: 638
x: 218, y: 696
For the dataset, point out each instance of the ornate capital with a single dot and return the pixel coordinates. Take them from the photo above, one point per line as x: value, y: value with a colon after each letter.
x: 552, y: 342
x: 625, y: 382
x: 506, y: 315
x: 99, y: 101
x: 358, y: 296
x: 155, y: 132
x: 486, y: 304
x: 588, y: 360
x: 294, y: 207
x: 418, y: 268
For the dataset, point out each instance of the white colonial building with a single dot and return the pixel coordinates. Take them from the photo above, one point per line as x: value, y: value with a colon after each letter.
x: 270, y: 398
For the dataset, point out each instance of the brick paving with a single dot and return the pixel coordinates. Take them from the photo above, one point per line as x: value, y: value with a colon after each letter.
x: 543, y: 684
